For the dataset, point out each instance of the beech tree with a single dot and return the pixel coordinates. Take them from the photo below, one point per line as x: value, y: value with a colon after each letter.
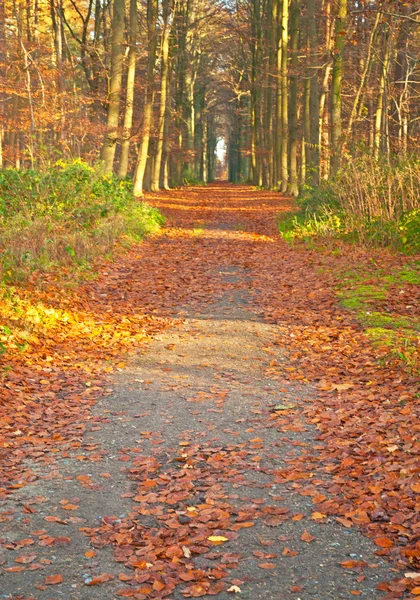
x: 152, y: 86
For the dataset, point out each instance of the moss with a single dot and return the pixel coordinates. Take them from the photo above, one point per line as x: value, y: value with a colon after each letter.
x: 386, y: 337
x: 356, y: 297
x: 399, y: 334
x: 377, y: 319
x: 409, y: 276
x: 352, y: 303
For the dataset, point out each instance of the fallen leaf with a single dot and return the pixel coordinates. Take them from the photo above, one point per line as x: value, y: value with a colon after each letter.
x: 315, y: 516
x: 267, y: 565
x: 100, y: 579
x: 307, y: 537
x: 53, y: 579
x: 383, y: 542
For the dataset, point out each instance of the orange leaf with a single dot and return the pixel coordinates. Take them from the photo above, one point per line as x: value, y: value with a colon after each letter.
x: 267, y: 565
x: 53, y: 579
x: 100, y: 579
x: 307, y: 537
x: 351, y: 564
x: 383, y: 542
x: 317, y: 515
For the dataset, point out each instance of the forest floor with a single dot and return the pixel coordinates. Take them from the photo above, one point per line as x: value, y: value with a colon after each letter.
x: 205, y: 419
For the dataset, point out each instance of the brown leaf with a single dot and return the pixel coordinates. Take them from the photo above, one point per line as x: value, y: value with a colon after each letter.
x: 267, y: 565
x: 307, y: 537
x: 383, y: 542
x: 351, y: 564
x: 100, y: 579
x: 53, y: 579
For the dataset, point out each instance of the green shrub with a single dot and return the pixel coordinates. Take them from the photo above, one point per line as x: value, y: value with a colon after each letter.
x: 66, y: 216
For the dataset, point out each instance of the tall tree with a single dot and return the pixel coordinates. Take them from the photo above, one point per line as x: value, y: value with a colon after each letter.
x: 163, y: 102
x: 152, y: 12
x: 111, y: 135
x: 129, y: 97
x: 336, y: 84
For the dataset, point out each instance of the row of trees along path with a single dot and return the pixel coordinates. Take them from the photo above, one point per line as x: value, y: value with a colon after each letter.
x: 292, y: 87
x: 207, y: 422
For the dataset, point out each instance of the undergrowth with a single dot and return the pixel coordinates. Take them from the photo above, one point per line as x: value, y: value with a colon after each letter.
x: 375, y: 204
x: 66, y: 217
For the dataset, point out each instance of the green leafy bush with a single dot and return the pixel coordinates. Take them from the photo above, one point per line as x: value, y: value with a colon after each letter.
x: 67, y: 216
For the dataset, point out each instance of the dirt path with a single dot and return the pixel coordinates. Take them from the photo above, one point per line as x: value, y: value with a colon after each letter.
x: 200, y: 473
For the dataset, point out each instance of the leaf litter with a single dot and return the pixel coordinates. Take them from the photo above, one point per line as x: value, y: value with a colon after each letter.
x: 361, y: 409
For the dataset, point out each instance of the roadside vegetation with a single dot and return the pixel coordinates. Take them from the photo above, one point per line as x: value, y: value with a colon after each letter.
x: 369, y: 202
x: 66, y: 217
x: 54, y: 226
x: 372, y: 205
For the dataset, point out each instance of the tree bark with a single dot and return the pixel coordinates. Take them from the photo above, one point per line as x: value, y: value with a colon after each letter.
x: 152, y: 9
x: 336, y: 83
x: 156, y: 178
x: 381, y: 104
x: 284, y: 96
x: 293, y: 189
x: 129, y: 98
x: 111, y: 135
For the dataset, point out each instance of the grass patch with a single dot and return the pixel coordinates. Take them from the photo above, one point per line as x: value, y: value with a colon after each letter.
x: 65, y: 218
x: 378, y: 306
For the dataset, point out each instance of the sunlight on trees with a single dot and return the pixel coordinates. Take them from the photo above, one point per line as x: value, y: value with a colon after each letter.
x: 150, y: 86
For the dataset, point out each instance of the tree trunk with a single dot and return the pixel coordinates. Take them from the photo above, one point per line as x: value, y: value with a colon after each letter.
x: 284, y: 96
x: 358, y: 99
x: 313, y: 154
x: 381, y: 104
x: 129, y: 98
x: 324, y: 113
x: 336, y: 83
x: 163, y: 97
x: 111, y: 136
x: 293, y: 188
x: 152, y: 9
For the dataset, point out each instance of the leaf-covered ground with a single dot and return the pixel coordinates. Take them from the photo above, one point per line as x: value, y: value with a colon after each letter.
x: 206, y: 419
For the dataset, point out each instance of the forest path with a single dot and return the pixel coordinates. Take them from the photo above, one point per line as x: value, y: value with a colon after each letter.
x: 208, y: 477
